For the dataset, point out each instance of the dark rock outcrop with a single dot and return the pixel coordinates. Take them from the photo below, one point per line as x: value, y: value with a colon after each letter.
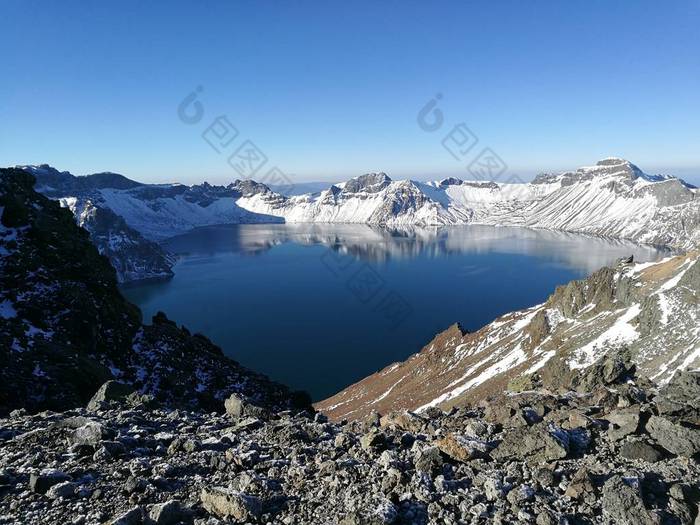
x: 679, y: 399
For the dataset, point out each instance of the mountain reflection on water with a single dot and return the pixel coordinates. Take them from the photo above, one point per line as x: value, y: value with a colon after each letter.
x: 377, y: 244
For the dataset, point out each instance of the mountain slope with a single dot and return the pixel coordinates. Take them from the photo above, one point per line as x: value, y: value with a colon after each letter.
x: 651, y: 311
x: 134, y: 257
x: 65, y: 328
x: 614, y: 198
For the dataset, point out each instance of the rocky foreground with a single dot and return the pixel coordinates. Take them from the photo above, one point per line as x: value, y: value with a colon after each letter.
x: 622, y: 453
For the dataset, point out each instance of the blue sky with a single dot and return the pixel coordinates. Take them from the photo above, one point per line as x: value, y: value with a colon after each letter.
x: 329, y: 90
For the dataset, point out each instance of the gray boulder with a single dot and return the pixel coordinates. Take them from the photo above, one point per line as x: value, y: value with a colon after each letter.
x: 494, y: 489
x: 239, y: 407
x: 248, y: 423
x: 168, y: 513
x: 623, y: 504
x: 92, y: 434
x: 520, y: 495
x: 42, y: 481
x: 404, y: 420
x: 373, y: 439
x: 537, y: 443
x: 581, y: 485
x: 640, y: 451
x: 502, y: 413
x: 679, y: 399
x: 428, y: 459
x: 385, y: 513
x: 613, y: 368
x: 109, y: 392
x: 623, y: 422
x: 675, y: 438
x: 131, y: 517
x: 64, y: 489
x: 463, y: 448
x: 228, y: 503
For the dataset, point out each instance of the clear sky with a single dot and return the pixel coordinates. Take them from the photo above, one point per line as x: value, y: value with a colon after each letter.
x: 329, y: 89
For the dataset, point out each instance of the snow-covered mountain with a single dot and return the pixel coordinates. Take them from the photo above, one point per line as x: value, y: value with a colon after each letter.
x: 159, y: 211
x: 649, y: 311
x: 133, y: 256
x: 372, y: 199
x: 614, y: 198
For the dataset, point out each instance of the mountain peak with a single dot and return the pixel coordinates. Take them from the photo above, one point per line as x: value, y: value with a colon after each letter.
x: 46, y: 169
x: 617, y: 164
x: 613, y: 161
x: 248, y: 187
x: 450, y: 181
x: 369, y: 183
x: 612, y: 166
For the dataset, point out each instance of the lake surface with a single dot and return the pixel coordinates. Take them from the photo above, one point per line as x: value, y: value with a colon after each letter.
x: 319, y: 307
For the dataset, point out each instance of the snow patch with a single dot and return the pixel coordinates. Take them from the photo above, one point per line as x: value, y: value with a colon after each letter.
x: 512, y: 359
x: 620, y: 332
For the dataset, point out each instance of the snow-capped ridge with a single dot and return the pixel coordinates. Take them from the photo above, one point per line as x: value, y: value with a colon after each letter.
x: 450, y: 181
x: 58, y: 182
x: 369, y: 183
x: 612, y: 198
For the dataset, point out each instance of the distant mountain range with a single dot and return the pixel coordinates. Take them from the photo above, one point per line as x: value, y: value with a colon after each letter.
x: 614, y: 199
